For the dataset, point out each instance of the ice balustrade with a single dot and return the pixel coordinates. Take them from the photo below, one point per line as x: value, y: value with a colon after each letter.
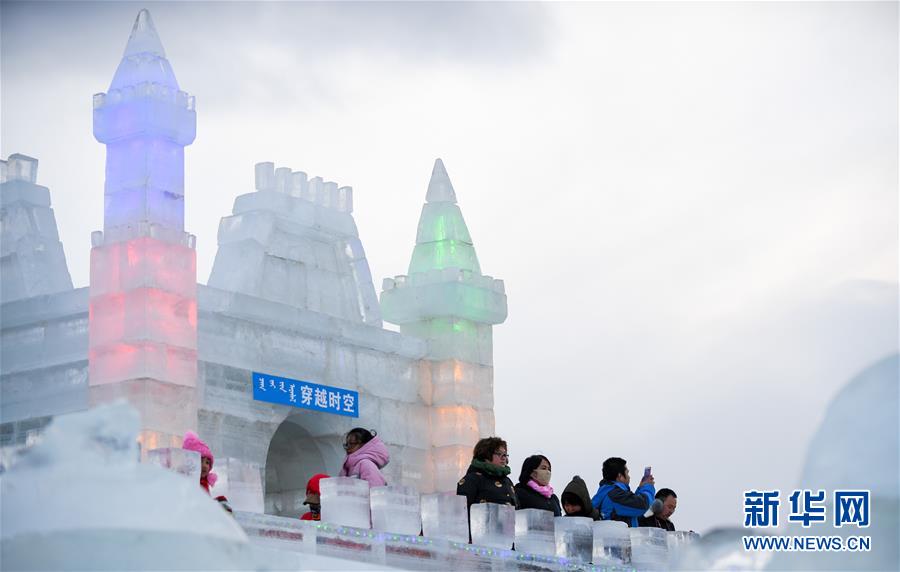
x: 574, y: 537
x: 345, y: 501
x: 402, y: 551
x: 649, y: 548
x: 567, y: 543
x: 612, y: 543
x: 493, y: 525
x: 396, y: 509
x: 444, y: 515
x: 178, y: 460
x: 677, y: 540
x: 534, y: 531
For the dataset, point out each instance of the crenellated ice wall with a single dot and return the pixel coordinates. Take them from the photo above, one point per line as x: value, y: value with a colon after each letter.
x: 290, y: 294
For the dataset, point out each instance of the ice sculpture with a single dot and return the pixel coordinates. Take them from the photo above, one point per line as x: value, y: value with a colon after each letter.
x: 79, y: 500
x: 446, y: 300
x: 396, y: 509
x: 345, y: 501
x: 649, y: 548
x: 444, y: 515
x: 143, y: 293
x: 179, y: 460
x: 612, y: 543
x: 534, y: 531
x: 294, y: 241
x: 493, y: 525
x: 574, y: 538
x: 32, y: 261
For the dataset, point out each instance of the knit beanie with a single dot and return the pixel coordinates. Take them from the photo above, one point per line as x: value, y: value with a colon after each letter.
x: 193, y: 443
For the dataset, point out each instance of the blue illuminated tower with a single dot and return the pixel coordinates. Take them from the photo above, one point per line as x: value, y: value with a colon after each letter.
x: 143, y: 292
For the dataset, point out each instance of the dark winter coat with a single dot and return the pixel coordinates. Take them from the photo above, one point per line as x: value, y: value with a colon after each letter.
x: 478, y: 487
x: 530, y: 498
x: 578, y: 491
x: 654, y: 520
x: 615, y: 501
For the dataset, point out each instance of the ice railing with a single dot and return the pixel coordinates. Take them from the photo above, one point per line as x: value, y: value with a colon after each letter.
x: 444, y: 275
x: 299, y: 185
x: 394, y: 526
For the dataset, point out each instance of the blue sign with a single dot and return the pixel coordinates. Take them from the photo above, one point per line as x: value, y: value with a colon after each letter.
x: 305, y: 395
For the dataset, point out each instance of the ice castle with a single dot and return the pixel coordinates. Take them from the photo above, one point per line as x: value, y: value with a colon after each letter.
x: 290, y: 297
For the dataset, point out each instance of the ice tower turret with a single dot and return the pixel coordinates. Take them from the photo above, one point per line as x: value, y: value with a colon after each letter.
x: 143, y: 293
x: 32, y: 261
x: 446, y: 300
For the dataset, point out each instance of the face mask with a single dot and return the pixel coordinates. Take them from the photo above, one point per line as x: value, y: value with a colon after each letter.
x: 542, y: 476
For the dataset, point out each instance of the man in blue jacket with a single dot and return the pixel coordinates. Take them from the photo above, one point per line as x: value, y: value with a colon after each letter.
x: 614, y: 499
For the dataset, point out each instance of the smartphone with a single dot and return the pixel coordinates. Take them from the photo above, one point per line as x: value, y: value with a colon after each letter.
x: 646, y: 472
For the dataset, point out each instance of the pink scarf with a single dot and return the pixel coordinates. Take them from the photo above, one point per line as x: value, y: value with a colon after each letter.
x: 544, y: 490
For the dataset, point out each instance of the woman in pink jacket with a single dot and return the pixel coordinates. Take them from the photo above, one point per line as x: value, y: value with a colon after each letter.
x: 366, y: 455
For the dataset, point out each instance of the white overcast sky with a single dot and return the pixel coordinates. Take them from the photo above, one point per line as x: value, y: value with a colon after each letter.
x: 694, y: 206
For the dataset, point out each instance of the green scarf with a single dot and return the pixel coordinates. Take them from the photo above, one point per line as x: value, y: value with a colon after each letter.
x: 490, y: 468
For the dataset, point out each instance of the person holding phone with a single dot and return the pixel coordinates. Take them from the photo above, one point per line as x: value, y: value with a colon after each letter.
x: 615, y: 500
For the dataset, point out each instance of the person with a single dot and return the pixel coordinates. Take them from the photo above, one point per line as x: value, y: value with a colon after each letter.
x: 614, y: 498
x: 576, y: 500
x: 193, y: 443
x: 313, y: 498
x: 366, y: 456
x: 662, y: 509
x: 487, y: 479
x: 533, y: 489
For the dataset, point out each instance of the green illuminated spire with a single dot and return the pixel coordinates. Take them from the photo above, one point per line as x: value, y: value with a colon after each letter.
x: 442, y: 240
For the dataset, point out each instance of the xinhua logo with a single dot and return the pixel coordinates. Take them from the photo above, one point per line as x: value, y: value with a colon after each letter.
x: 850, y: 508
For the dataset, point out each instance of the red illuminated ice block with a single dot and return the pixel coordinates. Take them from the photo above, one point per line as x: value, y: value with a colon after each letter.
x: 143, y: 314
x: 144, y: 262
x: 125, y: 361
x: 143, y: 311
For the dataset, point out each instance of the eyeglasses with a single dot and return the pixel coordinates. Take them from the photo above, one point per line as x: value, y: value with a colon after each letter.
x: 350, y: 444
x: 502, y: 455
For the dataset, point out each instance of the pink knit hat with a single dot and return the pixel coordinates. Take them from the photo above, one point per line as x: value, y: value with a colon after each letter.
x: 193, y: 443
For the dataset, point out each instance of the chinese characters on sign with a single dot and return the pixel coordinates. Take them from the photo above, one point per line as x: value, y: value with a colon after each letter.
x: 305, y: 394
x: 807, y: 507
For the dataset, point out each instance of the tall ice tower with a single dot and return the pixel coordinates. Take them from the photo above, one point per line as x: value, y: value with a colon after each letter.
x: 447, y: 301
x: 143, y: 292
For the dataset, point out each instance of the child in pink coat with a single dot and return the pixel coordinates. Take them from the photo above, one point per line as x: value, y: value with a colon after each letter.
x: 193, y: 443
x: 366, y: 456
x: 207, y: 478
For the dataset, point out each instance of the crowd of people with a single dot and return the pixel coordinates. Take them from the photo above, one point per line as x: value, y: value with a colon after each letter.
x: 487, y: 481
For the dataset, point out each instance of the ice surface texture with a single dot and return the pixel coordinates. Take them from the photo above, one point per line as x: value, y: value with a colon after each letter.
x: 493, y: 525
x: 574, y: 537
x: 612, y: 542
x: 396, y: 509
x: 178, y: 460
x: 32, y: 261
x: 345, y: 501
x: 534, y: 532
x: 85, y: 475
x: 294, y: 241
x: 444, y: 515
x: 143, y: 298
